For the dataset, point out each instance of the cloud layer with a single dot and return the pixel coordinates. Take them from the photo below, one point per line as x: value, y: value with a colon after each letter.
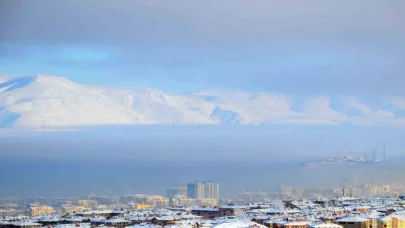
x: 296, y: 47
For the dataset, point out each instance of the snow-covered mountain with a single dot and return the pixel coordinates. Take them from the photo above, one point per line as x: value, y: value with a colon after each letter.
x: 48, y: 101
x: 45, y: 101
x: 32, y: 102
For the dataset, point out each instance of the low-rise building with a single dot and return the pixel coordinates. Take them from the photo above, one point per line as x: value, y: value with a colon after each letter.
x: 141, y: 206
x: 119, y: 222
x: 325, y: 225
x: 206, y: 212
x: 231, y: 210
x: 354, y: 222
x: 40, y: 210
x: 25, y: 224
x: 392, y: 221
x: 74, y: 209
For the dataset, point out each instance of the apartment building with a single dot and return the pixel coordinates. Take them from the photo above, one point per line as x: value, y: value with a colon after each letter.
x: 40, y: 210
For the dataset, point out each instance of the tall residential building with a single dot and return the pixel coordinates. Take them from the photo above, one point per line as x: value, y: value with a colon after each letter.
x: 347, y: 191
x: 211, y: 190
x: 195, y: 190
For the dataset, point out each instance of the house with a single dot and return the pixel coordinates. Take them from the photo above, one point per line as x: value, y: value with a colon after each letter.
x: 261, y: 219
x: 26, y: 224
x: 118, y: 222
x: 206, y: 212
x: 49, y: 221
x: 394, y: 221
x: 103, y: 213
x: 231, y: 210
x: 163, y: 220
x: 354, y: 222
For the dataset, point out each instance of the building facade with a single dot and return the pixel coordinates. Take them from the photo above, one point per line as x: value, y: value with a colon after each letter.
x: 203, y: 190
x: 40, y: 210
x: 211, y: 190
x: 195, y: 190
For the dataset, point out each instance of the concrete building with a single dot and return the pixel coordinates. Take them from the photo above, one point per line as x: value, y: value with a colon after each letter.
x: 180, y: 200
x: 395, y: 221
x: 348, y: 191
x: 288, y: 223
x: 40, y: 210
x: 142, y: 206
x: 195, y: 190
x: 157, y: 201
x: 203, y: 190
x: 25, y: 224
x: 231, y: 210
x: 206, y: 213
x: 120, y: 223
x: 354, y: 222
x: 72, y: 209
x: 211, y: 190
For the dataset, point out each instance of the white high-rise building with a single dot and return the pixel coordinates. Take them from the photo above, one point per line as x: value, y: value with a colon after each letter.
x: 195, y: 190
x: 203, y: 190
x: 211, y: 190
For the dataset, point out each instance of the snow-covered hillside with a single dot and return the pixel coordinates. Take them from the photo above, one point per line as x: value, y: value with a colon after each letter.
x: 32, y: 102
x: 45, y: 101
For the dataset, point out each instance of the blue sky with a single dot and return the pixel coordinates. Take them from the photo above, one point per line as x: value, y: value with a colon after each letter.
x: 313, y: 47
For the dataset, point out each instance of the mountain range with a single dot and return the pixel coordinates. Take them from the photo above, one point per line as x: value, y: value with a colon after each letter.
x: 42, y: 101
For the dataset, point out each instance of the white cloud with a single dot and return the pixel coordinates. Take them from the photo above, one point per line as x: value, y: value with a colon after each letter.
x: 353, y: 102
x: 319, y: 107
x: 384, y: 114
x: 398, y: 102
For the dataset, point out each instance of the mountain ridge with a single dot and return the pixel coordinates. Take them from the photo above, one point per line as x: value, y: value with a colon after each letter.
x: 42, y: 101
